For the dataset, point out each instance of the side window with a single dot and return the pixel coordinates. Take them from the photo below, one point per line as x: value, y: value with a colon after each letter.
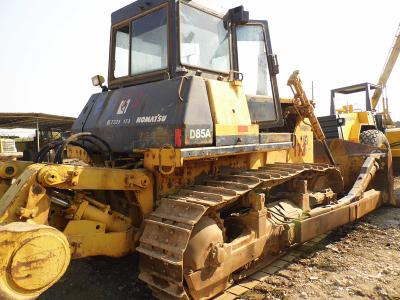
x: 121, y: 63
x: 252, y: 57
x: 149, y: 43
x: 204, y: 41
x: 143, y: 43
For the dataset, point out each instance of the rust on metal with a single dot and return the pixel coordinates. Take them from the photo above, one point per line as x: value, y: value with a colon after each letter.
x: 166, y: 235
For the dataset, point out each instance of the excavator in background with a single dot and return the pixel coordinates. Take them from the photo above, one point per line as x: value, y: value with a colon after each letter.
x: 380, y: 91
x: 367, y: 125
x: 188, y: 157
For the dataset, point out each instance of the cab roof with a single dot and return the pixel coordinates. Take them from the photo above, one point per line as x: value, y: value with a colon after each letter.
x: 135, y: 8
x: 356, y: 88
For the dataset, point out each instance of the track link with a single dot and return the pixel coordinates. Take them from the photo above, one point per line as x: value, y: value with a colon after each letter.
x: 240, y: 287
x: 166, y: 235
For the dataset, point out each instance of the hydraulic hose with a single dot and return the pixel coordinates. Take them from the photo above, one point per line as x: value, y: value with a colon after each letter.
x: 76, y: 137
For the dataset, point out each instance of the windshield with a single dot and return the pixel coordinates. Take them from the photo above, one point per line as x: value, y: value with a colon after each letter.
x: 355, y: 100
x: 204, y: 41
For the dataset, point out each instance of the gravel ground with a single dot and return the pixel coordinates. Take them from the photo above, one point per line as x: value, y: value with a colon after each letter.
x: 100, y: 278
x: 357, y: 261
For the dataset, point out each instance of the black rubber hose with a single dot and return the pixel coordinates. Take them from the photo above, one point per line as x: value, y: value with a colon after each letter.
x: 88, y: 140
x: 60, y: 153
x: 45, y: 150
x: 88, y: 151
x: 79, y: 144
x: 76, y: 137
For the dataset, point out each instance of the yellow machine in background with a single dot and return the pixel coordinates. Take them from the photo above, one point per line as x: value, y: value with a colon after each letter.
x: 357, y: 126
x: 188, y: 157
x: 367, y: 125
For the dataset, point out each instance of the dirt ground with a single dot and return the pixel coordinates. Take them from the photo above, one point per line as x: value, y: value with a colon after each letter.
x: 357, y: 261
x: 100, y: 278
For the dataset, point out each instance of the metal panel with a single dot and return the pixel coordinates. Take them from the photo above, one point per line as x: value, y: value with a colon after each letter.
x: 134, y: 9
x: 226, y: 150
x: 147, y: 115
x: 330, y: 126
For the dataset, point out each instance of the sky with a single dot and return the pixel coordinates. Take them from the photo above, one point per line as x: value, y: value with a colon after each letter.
x: 49, y: 50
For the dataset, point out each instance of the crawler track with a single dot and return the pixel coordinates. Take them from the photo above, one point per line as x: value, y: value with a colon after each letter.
x: 280, y: 263
x: 167, y: 231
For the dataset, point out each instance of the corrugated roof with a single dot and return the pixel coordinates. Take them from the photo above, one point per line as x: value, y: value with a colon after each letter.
x: 29, y: 120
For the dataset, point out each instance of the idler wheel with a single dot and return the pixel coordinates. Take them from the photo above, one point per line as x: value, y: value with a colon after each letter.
x: 205, y: 254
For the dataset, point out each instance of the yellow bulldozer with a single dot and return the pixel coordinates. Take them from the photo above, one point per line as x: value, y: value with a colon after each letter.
x: 189, y: 157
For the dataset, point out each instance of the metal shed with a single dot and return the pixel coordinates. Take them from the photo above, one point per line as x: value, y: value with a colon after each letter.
x: 38, y: 121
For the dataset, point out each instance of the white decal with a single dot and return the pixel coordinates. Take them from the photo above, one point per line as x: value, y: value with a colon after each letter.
x: 113, y: 122
x: 118, y: 122
x: 152, y: 119
x: 199, y: 133
x: 123, y: 106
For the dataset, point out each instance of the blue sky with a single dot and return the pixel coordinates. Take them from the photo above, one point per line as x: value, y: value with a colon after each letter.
x: 50, y: 49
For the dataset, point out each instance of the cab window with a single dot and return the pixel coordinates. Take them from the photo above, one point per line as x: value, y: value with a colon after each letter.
x: 121, y: 65
x: 149, y: 43
x: 252, y: 56
x: 141, y: 46
x: 204, y: 41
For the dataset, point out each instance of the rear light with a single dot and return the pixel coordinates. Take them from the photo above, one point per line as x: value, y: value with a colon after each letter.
x: 178, y: 137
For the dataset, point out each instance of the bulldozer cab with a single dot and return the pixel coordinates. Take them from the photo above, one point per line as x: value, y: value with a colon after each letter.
x: 182, y: 75
x: 159, y: 39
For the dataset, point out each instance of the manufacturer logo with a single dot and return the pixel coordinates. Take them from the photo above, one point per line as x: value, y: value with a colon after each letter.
x: 152, y: 119
x: 199, y: 133
x: 123, y: 106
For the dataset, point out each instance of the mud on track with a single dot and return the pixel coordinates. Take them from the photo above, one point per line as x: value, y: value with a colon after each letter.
x: 357, y: 261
